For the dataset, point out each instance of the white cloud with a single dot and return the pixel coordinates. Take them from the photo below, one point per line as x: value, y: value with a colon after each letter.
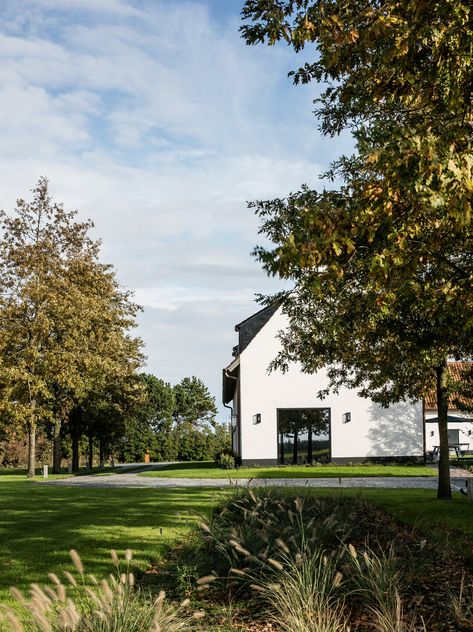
x: 158, y: 123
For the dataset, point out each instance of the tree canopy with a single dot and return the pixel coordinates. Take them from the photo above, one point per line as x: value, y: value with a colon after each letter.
x: 194, y: 404
x: 64, y: 320
x: 382, y: 264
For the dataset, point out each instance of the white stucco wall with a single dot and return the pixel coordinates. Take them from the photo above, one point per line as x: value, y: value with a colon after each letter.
x: 432, y: 431
x: 372, y: 431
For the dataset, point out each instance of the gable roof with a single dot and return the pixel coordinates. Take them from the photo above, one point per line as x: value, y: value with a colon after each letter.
x: 252, y: 325
x: 455, y: 373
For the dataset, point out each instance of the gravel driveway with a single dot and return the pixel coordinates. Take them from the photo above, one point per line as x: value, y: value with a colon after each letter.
x: 131, y: 479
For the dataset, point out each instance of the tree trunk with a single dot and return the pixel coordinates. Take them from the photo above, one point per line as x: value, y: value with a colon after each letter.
x: 102, y: 453
x: 310, y: 457
x: 294, y: 448
x: 57, y: 446
x: 75, y: 445
x: 444, y: 491
x: 31, y: 450
x: 91, y: 451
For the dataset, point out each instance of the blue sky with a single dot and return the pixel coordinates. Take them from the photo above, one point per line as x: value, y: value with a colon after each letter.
x: 156, y: 121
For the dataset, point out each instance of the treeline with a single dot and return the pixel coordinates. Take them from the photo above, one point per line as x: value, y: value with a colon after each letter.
x: 69, y: 364
x: 175, y: 423
x: 166, y: 422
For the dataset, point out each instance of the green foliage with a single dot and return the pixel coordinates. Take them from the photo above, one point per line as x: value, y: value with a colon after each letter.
x: 225, y: 461
x: 160, y: 402
x: 200, y: 444
x: 194, y: 404
x: 64, y: 319
x: 148, y: 426
x: 186, y: 578
x: 463, y: 391
x: 382, y: 265
x: 171, y: 423
x: 359, y: 44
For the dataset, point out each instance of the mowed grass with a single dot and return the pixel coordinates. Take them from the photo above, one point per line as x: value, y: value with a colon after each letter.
x: 208, y: 469
x: 39, y: 524
x: 421, y: 509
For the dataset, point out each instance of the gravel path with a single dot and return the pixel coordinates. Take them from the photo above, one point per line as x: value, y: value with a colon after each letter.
x: 131, y: 479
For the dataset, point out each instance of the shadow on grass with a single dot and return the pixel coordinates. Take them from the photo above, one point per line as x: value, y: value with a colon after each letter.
x: 39, y: 525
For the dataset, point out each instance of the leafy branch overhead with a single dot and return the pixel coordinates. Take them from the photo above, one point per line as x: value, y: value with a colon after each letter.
x: 381, y: 258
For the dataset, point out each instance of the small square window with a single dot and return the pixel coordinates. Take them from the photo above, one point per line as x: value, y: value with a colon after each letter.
x: 346, y: 417
x: 256, y: 419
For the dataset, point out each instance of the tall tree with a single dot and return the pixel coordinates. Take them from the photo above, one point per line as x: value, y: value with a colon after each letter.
x: 382, y: 266
x: 97, y: 358
x: 64, y: 320
x: 36, y: 241
x: 194, y: 404
x: 149, y: 426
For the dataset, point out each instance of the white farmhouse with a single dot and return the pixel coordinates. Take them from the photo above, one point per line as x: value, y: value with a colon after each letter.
x: 278, y: 418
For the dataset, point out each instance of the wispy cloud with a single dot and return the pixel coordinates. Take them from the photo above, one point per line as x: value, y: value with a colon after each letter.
x: 155, y: 120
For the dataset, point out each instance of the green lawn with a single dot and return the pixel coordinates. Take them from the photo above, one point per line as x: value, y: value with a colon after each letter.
x: 208, y: 469
x: 420, y: 508
x: 40, y: 524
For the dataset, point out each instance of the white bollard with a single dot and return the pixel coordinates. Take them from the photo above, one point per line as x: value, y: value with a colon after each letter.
x: 45, y: 471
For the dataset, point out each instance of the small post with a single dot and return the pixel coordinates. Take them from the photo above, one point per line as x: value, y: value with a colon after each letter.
x: 45, y: 470
x: 469, y: 489
x: 69, y: 468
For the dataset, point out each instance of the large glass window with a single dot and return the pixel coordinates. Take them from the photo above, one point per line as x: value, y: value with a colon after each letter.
x: 303, y: 435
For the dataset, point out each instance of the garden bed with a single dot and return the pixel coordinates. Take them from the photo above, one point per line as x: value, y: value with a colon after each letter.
x: 380, y: 574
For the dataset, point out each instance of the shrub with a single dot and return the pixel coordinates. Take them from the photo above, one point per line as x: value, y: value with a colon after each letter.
x: 376, y: 578
x: 259, y: 523
x: 274, y: 547
x: 293, y: 555
x: 186, y: 578
x: 225, y: 461
x: 303, y: 594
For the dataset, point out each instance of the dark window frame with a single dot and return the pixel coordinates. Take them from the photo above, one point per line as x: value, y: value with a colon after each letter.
x: 302, y: 408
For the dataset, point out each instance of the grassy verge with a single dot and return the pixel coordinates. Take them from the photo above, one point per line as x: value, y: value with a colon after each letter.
x: 40, y: 524
x: 421, y: 509
x: 207, y: 469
